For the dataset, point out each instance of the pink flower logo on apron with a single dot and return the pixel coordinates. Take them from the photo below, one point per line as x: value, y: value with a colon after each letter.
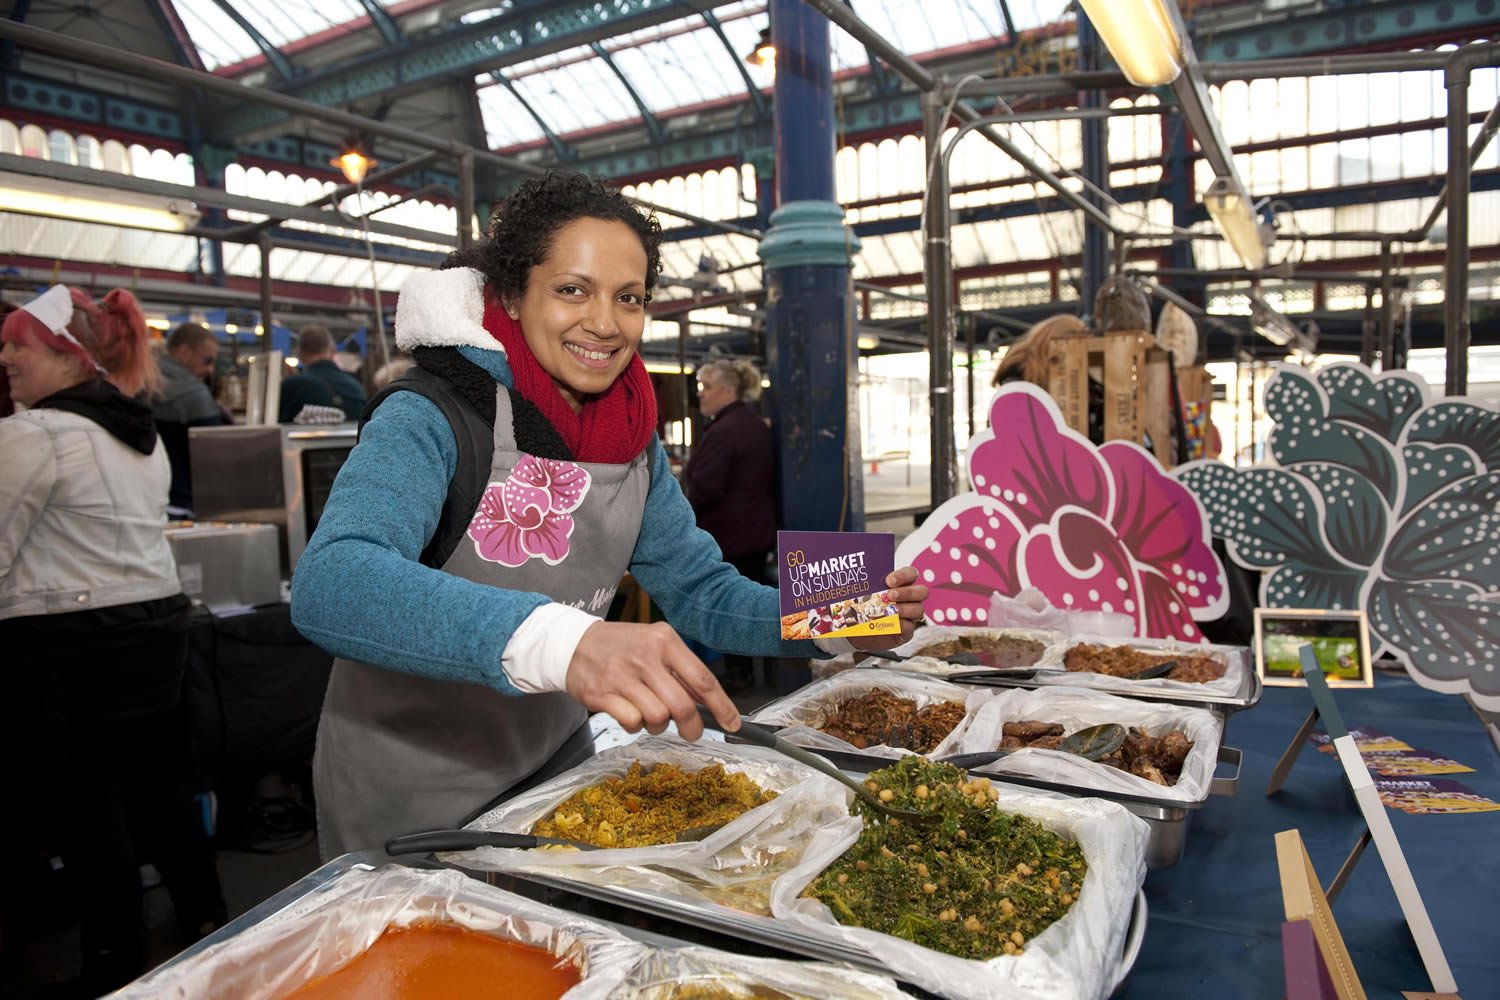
x: 530, y: 515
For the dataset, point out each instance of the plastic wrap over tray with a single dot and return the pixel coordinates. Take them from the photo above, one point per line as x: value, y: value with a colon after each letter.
x: 1234, y: 681
x: 800, y: 712
x: 673, y: 973
x: 1077, y: 958
x: 1078, y: 709
x: 329, y: 927
x: 735, y: 866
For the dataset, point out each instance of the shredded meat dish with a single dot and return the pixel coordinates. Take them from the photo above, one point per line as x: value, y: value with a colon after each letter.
x: 881, y: 717
x: 1156, y: 758
x: 1122, y: 661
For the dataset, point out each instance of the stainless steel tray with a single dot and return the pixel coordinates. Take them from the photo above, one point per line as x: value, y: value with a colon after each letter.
x: 1167, y: 818
x: 776, y: 933
x: 1225, y: 705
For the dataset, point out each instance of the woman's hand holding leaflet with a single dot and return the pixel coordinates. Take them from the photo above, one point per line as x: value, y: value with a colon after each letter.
x: 645, y: 676
x: 907, y: 595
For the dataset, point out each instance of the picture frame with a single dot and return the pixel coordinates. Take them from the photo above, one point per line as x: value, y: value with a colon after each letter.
x: 1340, y: 640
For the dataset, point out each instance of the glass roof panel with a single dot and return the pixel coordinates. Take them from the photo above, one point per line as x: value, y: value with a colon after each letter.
x: 687, y: 69
x: 506, y: 122
x: 683, y: 62
x: 580, y: 92
x: 220, y: 41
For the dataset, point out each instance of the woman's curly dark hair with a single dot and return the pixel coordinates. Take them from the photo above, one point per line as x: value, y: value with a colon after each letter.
x: 523, y: 228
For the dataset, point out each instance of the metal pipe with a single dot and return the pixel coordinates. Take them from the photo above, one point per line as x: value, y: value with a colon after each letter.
x: 1050, y: 85
x: 1167, y: 295
x: 1456, y: 269
x: 1487, y: 130
x: 1369, y: 331
x: 845, y: 18
x: 211, y: 197
x: 983, y: 126
x: 465, y: 205
x: 937, y: 272
x: 380, y: 176
x: 1060, y: 84
x: 109, y: 57
x: 969, y: 372
x: 265, y: 293
x: 1304, y: 66
x: 1387, y: 309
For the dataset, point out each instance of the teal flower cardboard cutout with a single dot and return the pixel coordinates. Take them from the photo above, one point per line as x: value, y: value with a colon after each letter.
x: 1381, y: 499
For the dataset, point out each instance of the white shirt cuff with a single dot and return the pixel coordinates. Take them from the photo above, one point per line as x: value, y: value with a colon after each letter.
x: 834, y: 646
x: 537, y: 657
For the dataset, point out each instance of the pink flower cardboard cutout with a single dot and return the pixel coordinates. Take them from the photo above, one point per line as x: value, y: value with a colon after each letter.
x: 1092, y: 528
x: 530, y: 515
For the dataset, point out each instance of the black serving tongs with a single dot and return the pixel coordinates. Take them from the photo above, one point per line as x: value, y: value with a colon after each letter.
x: 432, y: 841
x: 1093, y: 743
x: 1153, y: 671
x: 761, y: 736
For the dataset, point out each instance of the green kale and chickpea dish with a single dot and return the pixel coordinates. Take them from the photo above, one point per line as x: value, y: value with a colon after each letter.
x: 978, y: 883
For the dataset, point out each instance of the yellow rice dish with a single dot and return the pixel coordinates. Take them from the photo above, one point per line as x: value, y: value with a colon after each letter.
x: 652, y: 807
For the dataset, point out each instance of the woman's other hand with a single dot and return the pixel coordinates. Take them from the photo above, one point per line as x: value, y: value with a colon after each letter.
x: 907, y: 596
x: 645, y: 676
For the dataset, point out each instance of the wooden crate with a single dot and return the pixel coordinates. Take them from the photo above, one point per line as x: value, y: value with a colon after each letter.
x: 1137, y: 384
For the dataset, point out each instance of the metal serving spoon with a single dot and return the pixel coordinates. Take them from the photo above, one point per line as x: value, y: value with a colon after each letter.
x: 432, y: 841
x: 761, y: 736
x: 1093, y: 743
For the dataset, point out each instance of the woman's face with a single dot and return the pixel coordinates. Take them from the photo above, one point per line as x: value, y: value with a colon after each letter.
x: 713, y: 394
x: 584, y: 308
x: 37, y: 371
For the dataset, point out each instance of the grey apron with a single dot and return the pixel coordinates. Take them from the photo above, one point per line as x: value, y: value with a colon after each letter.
x: 398, y: 753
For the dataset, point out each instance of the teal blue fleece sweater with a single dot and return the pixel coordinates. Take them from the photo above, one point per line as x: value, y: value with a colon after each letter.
x: 360, y: 593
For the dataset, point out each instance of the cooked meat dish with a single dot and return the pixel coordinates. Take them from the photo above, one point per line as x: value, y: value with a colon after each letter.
x: 1156, y: 758
x: 1122, y: 661
x: 881, y: 717
x: 998, y: 652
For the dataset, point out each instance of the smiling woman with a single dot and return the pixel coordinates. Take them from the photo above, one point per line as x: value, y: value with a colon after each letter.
x: 475, y: 536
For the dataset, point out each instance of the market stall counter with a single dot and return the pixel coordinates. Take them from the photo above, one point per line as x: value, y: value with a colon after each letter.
x: 1214, y: 918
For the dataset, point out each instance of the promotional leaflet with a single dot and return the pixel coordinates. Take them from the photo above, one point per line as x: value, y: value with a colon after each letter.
x: 1386, y: 755
x: 832, y: 584
x: 1367, y: 738
x: 1431, y: 795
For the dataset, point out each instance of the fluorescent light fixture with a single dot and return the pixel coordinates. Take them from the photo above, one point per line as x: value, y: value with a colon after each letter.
x: 868, y: 341
x: 1275, y: 327
x: 87, y: 203
x: 1230, y: 207
x: 1142, y: 35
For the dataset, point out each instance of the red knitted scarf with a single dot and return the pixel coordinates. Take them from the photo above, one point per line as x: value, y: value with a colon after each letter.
x: 612, y: 428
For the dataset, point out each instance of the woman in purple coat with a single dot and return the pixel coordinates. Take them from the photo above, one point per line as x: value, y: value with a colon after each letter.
x: 731, y: 479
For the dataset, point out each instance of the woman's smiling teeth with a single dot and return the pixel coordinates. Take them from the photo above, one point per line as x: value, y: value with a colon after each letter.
x: 588, y: 355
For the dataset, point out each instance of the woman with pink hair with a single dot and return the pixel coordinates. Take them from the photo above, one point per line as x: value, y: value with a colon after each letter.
x: 94, y: 626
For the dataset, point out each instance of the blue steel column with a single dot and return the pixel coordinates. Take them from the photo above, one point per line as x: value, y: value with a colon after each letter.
x: 1095, y: 167
x: 810, y: 325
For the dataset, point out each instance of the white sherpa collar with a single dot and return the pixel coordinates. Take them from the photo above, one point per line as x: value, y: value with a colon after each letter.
x: 443, y: 309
